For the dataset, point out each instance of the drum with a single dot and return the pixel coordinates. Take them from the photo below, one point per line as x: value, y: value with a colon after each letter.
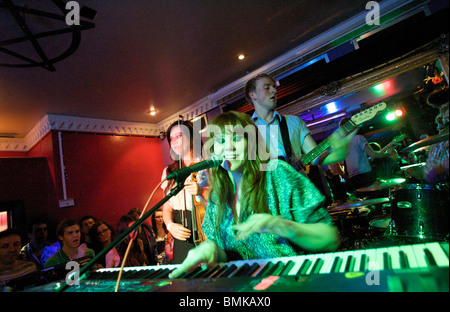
x: 353, y: 226
x: 419, y: 211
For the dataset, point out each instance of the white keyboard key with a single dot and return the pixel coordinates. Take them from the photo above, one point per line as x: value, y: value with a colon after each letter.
x: 438, y: 254
x: 409, y: 253
x: 420, y: 255
x: 394, y: 253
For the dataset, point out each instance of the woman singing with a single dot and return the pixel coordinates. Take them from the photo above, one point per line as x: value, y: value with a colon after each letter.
x: 256, y: 213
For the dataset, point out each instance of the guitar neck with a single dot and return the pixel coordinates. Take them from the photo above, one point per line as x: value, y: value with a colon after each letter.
x: 326, y: 143
x: 384, y: 149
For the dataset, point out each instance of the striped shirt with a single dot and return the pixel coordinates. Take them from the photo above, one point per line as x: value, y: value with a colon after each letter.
x: 21, y: 268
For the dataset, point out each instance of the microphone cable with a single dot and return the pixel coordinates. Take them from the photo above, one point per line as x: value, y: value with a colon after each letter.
x: 119, y: 277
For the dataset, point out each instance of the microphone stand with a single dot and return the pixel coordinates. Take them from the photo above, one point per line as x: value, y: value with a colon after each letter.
x: 83, y: 271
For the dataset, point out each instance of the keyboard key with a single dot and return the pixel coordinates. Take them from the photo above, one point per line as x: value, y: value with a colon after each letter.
x: 429, y: 257
x: 439, y: 255
x: 349, y: 265
x: 317, y: 266
x: 336, y: 266
x: 287, y: 268
x: 403, y: 260
x: 279, y: 266
x: 409, y: 253
x: 303, y: 268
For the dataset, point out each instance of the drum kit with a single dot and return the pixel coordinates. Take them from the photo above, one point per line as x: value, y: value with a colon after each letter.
x: 412, y: 212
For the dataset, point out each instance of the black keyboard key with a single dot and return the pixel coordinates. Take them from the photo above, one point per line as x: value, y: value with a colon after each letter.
x: 350, y: 264
x: 253, y: 268
x: 277, y: 268
x: 215, y: 270
x: 336, y: 266
x: 194, y: 272
x: 228, y: 271
x: 265, y: 271
x: 363, y: 264
x: 287, y: 268
x: 164, y: 273
x: 404, y: 263
x: 317, y: 266
x: 387, y: 263
x: 303, y: 268
x: 429, y: 257
x: 242, y: 270
x: 218, y: 272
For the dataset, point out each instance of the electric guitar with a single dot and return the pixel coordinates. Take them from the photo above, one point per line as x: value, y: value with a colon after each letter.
x: 349, y: 126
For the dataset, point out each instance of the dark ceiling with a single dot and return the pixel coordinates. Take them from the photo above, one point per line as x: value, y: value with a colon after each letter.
x: 162, y: 54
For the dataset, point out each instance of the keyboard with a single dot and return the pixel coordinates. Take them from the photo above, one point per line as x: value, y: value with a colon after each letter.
x: 421, y: 267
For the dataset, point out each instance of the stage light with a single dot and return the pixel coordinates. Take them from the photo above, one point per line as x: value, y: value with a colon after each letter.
x: 331, y: 108
x: 390, y: 116
x: 398, y: 113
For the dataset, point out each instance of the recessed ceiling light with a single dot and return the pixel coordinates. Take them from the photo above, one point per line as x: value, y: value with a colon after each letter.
x: 152, y: 111
x: 241, y: 56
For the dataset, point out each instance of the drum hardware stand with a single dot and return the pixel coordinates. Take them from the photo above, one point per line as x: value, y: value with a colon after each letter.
x: 392, y: 228
x: 421, y: 230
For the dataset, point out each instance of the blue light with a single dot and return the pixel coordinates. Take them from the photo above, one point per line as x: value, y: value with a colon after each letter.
x: 331, y: 108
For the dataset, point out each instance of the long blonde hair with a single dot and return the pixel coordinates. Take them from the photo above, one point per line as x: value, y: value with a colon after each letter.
x: 222, y: 192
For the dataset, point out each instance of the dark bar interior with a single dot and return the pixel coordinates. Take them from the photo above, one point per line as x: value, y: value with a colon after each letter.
x: 118, y: 172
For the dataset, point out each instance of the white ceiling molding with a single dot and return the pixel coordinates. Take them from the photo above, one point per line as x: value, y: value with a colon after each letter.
x: 76, y: 124
x: 196, y: 109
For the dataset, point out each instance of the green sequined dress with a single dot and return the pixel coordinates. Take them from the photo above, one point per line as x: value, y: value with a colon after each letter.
x: 290, y: 195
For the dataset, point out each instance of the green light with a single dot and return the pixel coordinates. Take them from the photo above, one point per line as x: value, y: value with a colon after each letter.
x: 390, y: 116
x: 379, y: 90
x: 379, y: 87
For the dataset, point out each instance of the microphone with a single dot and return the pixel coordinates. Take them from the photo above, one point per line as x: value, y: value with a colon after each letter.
x: 214, y: 161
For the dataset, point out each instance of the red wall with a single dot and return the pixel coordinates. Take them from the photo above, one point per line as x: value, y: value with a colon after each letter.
x: 28, y: 180
x: 106, y: 175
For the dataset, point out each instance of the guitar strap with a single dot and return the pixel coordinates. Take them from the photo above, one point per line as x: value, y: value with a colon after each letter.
x: 285, y: 137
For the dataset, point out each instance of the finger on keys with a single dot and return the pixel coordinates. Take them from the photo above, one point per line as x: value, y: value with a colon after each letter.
x: 192, y: 260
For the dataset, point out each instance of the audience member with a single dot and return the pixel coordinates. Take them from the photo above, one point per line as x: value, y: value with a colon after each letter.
x: 39, y: 249
x: 145, y: 234
x: 136, y: 255
x: 135, y: 213
x: 11, y: 267
x: 86, y: 223
x: 164, y: 240
x: 102, y: 233
x: 69, y: 234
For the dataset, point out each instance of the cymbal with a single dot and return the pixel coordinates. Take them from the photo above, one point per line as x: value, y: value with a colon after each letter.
x: 368, y: 202
x: 413, y: 166
x: 426, y: 142
x: 381, y: 185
